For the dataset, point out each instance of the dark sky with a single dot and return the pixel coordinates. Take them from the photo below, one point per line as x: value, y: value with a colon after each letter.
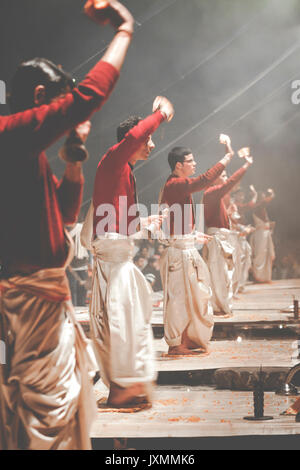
x: 227, y: 66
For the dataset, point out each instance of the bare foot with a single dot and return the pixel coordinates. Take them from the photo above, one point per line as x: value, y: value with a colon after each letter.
x: 181, y: 350
x: 223, y: 314
x: 133, y: 395
x: 188, y: 343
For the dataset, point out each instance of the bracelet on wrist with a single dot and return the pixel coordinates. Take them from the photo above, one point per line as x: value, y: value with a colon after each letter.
x: 129, y: 33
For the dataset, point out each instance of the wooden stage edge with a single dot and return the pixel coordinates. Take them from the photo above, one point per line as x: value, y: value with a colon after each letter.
x: 197, y: 410
x: 261, y: 304
x: 198, y: 413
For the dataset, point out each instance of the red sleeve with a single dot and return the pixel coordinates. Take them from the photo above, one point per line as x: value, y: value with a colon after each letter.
x: 39, y: 127
x: 121, y: 153
x: 202, y: 181
x: 221, y: 190
x: 250, y: 206
x: 69, y: 194
x: 247, y: 206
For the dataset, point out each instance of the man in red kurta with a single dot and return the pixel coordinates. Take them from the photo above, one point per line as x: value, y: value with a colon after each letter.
x: 240, y: 231
x: 242, y: 206
x: 188, y: 315
x: 221, y: 248
x: 45, y: 393
x: 121, y: 305
x: 114, y: 185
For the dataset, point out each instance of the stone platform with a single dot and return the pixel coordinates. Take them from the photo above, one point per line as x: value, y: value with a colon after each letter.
x: 230, y: 365
x: 262, y: 333
x: 261, y: 307
x: 208, y: 396
x: 183, y: 412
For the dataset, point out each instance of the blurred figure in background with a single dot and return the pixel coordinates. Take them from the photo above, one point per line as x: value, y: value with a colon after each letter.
x: 153, y: 272
x: 220, y: 251
x: 140, y: 261
x: 243, y: 259
x: 263, y: 251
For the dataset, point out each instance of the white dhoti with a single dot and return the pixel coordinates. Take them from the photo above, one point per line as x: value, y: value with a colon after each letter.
x: 246, y: 261
x: 220, y: 260
x: 120, y: 314
x: 237, y: 259
x: 263, y: 252
x: 187, y: 294
x: 241, y: 260
x: 46, y: 395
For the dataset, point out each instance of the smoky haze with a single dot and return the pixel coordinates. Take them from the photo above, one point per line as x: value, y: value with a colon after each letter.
x: 227, y: 66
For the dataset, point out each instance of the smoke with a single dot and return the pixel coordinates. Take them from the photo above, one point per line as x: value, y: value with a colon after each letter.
x: 227, y: 66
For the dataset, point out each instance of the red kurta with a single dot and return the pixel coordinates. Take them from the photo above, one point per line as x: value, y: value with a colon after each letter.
x: 34, y: 206
x: 114, y: 188
x: 257, y: 208
x: 243, y: 209
x: 215, y: 212
x: 260, y: 211
x: 179, y: 191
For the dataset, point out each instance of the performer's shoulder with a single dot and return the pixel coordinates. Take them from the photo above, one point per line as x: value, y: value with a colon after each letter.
x: 177, y: 180
x: 108, y: 163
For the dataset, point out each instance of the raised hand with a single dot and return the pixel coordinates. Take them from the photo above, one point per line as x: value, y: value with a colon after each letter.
x: 163, y: 105
x: 110, y: 12
x: 244, y: 152
x: 249, y: 160
x: 225, y: 140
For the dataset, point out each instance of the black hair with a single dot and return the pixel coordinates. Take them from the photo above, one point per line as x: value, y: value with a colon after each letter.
x: 137, y: 257
x: 36, y: 72
x: 177, y: 155
x: 126, y: 125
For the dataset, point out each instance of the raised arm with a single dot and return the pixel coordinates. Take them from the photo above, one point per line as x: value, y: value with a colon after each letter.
x: 253, y: 200
x: 202, y: 181
x: 250, y: 205
x: 199, y: 183
x: 116, y: 14
x: 225, y: 140
x: 122, y: 152
x: 225, y: 188
x: 41, y: 126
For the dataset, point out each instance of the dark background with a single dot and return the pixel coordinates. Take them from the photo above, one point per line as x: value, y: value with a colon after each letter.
x: 227, y: 66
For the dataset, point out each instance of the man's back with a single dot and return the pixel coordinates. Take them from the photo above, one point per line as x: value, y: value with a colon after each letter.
x: 34, y: 206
